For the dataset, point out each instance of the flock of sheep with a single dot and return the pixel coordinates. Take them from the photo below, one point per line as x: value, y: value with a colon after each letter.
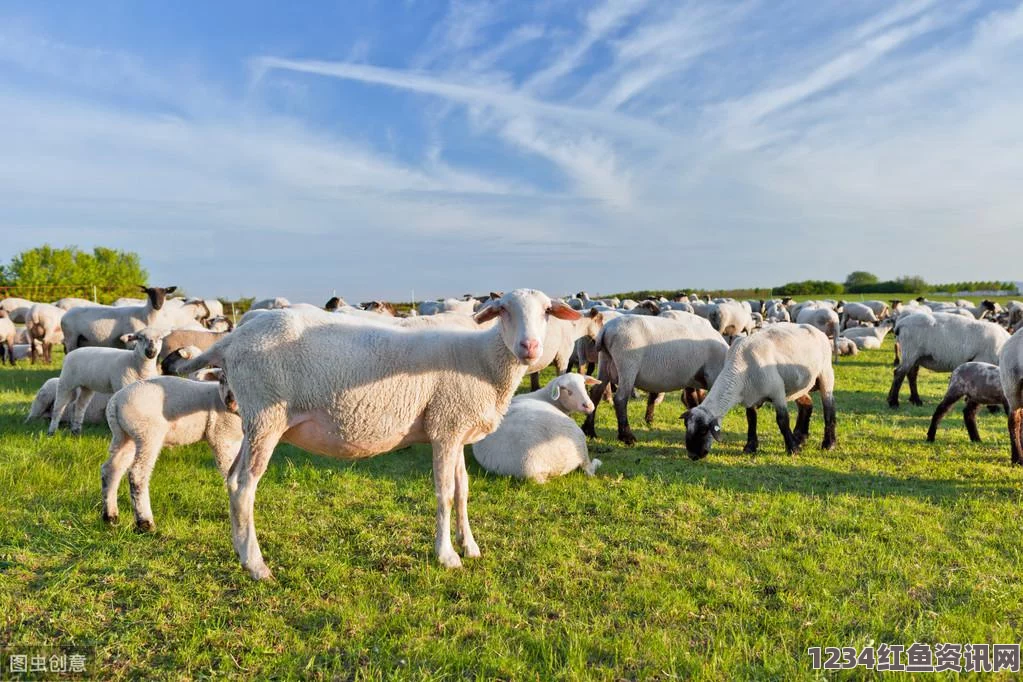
x: 356, y: 381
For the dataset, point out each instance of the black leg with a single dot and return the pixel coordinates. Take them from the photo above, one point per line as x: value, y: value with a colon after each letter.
x: 898, y: 377
x: 596, y: 395
x: 828, y: 405
x: 621, y: 403
x: 805, y: 405
x: 534, y: 381
x: 782, y: 417
x: 914, y: 396
x: 943, y: 408
x: 970, y: 419
x: 898, y: 355
x: 652, y: 399
x: 1015, y: 422
x: 752, y: 442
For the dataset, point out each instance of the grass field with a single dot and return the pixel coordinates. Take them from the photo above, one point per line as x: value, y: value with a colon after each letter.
x: 658, y: 568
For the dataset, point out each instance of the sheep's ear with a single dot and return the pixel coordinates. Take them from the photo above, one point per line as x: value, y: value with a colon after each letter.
x: 170, y: 290
x: 488, y: 312
x: 555, y: 391
x: 126, y: 338
x: 211, y: 374
x: 144, y: 288
x: 590, y: 381
x: 715, y: 430
x: 563, y: 311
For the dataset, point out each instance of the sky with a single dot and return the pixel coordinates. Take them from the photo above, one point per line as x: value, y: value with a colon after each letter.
x: 384, y: 149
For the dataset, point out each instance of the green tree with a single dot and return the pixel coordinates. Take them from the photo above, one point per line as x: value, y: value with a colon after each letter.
x: 47, y: 273
x: 859, y: 279
x: 810, y: 286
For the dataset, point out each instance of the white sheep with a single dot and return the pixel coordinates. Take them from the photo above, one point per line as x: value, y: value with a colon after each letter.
x: 656, y: 355
x: 105, y: 325
x: 16, y: 308
x: 46, y: 396
x: 147, y: 416
x: 8, y: 335
x: 349, y: 389
x: 277, y: 303
x: 1010, y: 370
x: 71, y: 302
x: 536, y: 438
x: 823, y: 318
x: 857, y: 312
x: 783, y: 362
x: 104, y: 370
x: 869, y: 338
x: 43, y: 325
x: 844, y: 346
x: 731, y: 319
x: 941, y: 342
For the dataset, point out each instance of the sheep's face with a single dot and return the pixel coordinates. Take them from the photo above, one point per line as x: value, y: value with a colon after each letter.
x: 701, y: 431
x: 147, y: 342
x: 569, y: 392
x: 157, y: 295
x: 524, y: 314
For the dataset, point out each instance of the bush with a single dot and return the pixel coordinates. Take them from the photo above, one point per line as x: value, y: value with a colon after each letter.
x: 816, y: 287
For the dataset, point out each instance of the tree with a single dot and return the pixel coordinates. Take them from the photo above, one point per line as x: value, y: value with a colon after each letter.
x: 47, y: 273
x: 859, y: 279
x: 810, y: 286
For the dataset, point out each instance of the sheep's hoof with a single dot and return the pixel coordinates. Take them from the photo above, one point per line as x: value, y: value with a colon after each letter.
x: 145, y: 526
x: 916, y: 401
x: 627, y: 438
x: 1016, y: 463
x: 76, y: 432
x: 449, y: 559
x: 930, y: 438
x: 259, y: 572
x: 894, y: 404
x: 470, y: 550
x: 751, y: 448
x: 112, y: 519
x: 827, y: 445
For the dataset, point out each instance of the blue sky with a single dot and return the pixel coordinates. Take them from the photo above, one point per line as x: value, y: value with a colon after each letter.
x: 378, y: 148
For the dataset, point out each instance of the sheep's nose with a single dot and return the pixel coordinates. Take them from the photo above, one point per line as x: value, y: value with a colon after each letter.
x: 531, y: 348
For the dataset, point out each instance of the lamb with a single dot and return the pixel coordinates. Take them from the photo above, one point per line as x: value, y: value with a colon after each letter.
x: 844, y: 346
x: 536, y: 438
x: 16, y: 308
x: 104, y: 370
x: 43, y: 325
x: 106, y: 325
x: 657, y: 355
x: 783, y: 362
x: 731, y: 319
x: 1010, y: 370
x: 869, y: 338
x: 349, y: 389
x: 857, y: 312
x: 940, y: 343
x: 8, y: 333
x: 981, y: 384
x: 42, y: 405
x: 147, y: 416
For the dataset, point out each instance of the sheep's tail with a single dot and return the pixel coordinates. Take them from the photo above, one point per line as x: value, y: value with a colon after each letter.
x: 113, y: 422
x: 591, y: 468
x: 212, y: 357
x: 598, y: 341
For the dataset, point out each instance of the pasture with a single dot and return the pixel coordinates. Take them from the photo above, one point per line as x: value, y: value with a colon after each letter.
x: 657, y: 568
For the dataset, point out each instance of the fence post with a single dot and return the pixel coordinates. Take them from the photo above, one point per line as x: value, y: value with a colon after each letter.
x: 95, y: 298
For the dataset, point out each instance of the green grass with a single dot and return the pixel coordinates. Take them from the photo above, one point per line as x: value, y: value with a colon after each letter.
x: 658, y: 568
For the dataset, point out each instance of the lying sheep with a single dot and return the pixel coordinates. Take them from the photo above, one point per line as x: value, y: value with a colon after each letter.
x: 42, y: 405
x: 8, y: 334
x: 43, y: 325
x: 147, y: 416
x: 940, y: 343
x: 783, y: 362
x: 869, y: 338
x: 101, y: 325
x: 844, y: 346
x: 981, y: 384
x: 104, y: 370
x: 536, y: 438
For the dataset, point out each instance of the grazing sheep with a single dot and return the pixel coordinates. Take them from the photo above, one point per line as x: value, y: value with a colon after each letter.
x: 783, y: 362
x: 981, y: 384
x: 349, y: 389
x: 656, y: 355
x: 1010, y: 370
x: 857, y: 312
x: 149, y: 415
x: 43, y: 325
x: 869, y: 338
x: 940, y: 343
x: 104, y: 370
x: 1015, y: 312
x: 72, y: 302
x: 775, y: 311
x: 536, y: 440
x: 42, y: 405
x: 105, y: 325
x: 823, y: 318
x: 8, y: 334
x: 731, y: 319
x: 16, y: 308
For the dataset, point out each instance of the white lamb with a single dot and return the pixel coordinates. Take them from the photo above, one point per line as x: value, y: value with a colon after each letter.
x: 536, y: 438
x: 147, y: 416
x: 104, y: 370
x: 42, y: 405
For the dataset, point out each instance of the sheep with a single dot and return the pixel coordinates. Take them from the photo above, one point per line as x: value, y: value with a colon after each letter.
x: 42, y: 405
x: 277, y: 303
x: 16, y: 308
x: 8, y: 333
x: 334, y: 386
x: 464, y: 307
x: 844, y: 346
x: 1010, y: 370
x: 333, y: 303
x: 219, y: 324
x: 684, y: 306
x: 783, y: 362
x: 731, y: 319
x: 880, y: 309
x: 657, y: 355
x: 379, y: 307
x: 106, y: 325
x: 104, y: 370
x: 72, y: 302
x: 823, y: 318
x: 585, y: 352
x: 23, y: 351
x: 857, y: 312
x: 180, y: 338
x: 1015, y: 312
x: 128, y: 301
x: 774, y: 311
x: 940, y: 343
x: 981, y: 384
x: 43, y: 325
x: 979, y: 312
x: 559, y: 347
x: 147, y: 416
x: 869, y: 338
x: 536, y: 438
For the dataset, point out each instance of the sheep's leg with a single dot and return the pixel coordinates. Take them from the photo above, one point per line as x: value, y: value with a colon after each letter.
x: 10, y: 352
x: 994, y: 409
x: 898, y: 355
x: 60, y: 403
x: 534, y: 381
x: 81, y: 405
x: 445, y: 468
x: 752, y: 441
x: 48, y: 353
x: 257, y: 448
x: 652, y: 401
x: 946, y: 404
x: 914, y: 396
x: 805, y: 411
x: 828, y: 408
x: 591, y: 367
x: 898, y: 376
x: 597, y: 393
x: 146, y: 453
x: 970, y: 419
x: 463, y: 533
x: 621, y: 403
x: 781, y: 415
x: 1015, y: 424
x: 122, y: 454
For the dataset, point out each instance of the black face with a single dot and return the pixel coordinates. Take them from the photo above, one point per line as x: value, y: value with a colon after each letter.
x: 701, y: 432
x: 333, y: 304
x: 157, y: 295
